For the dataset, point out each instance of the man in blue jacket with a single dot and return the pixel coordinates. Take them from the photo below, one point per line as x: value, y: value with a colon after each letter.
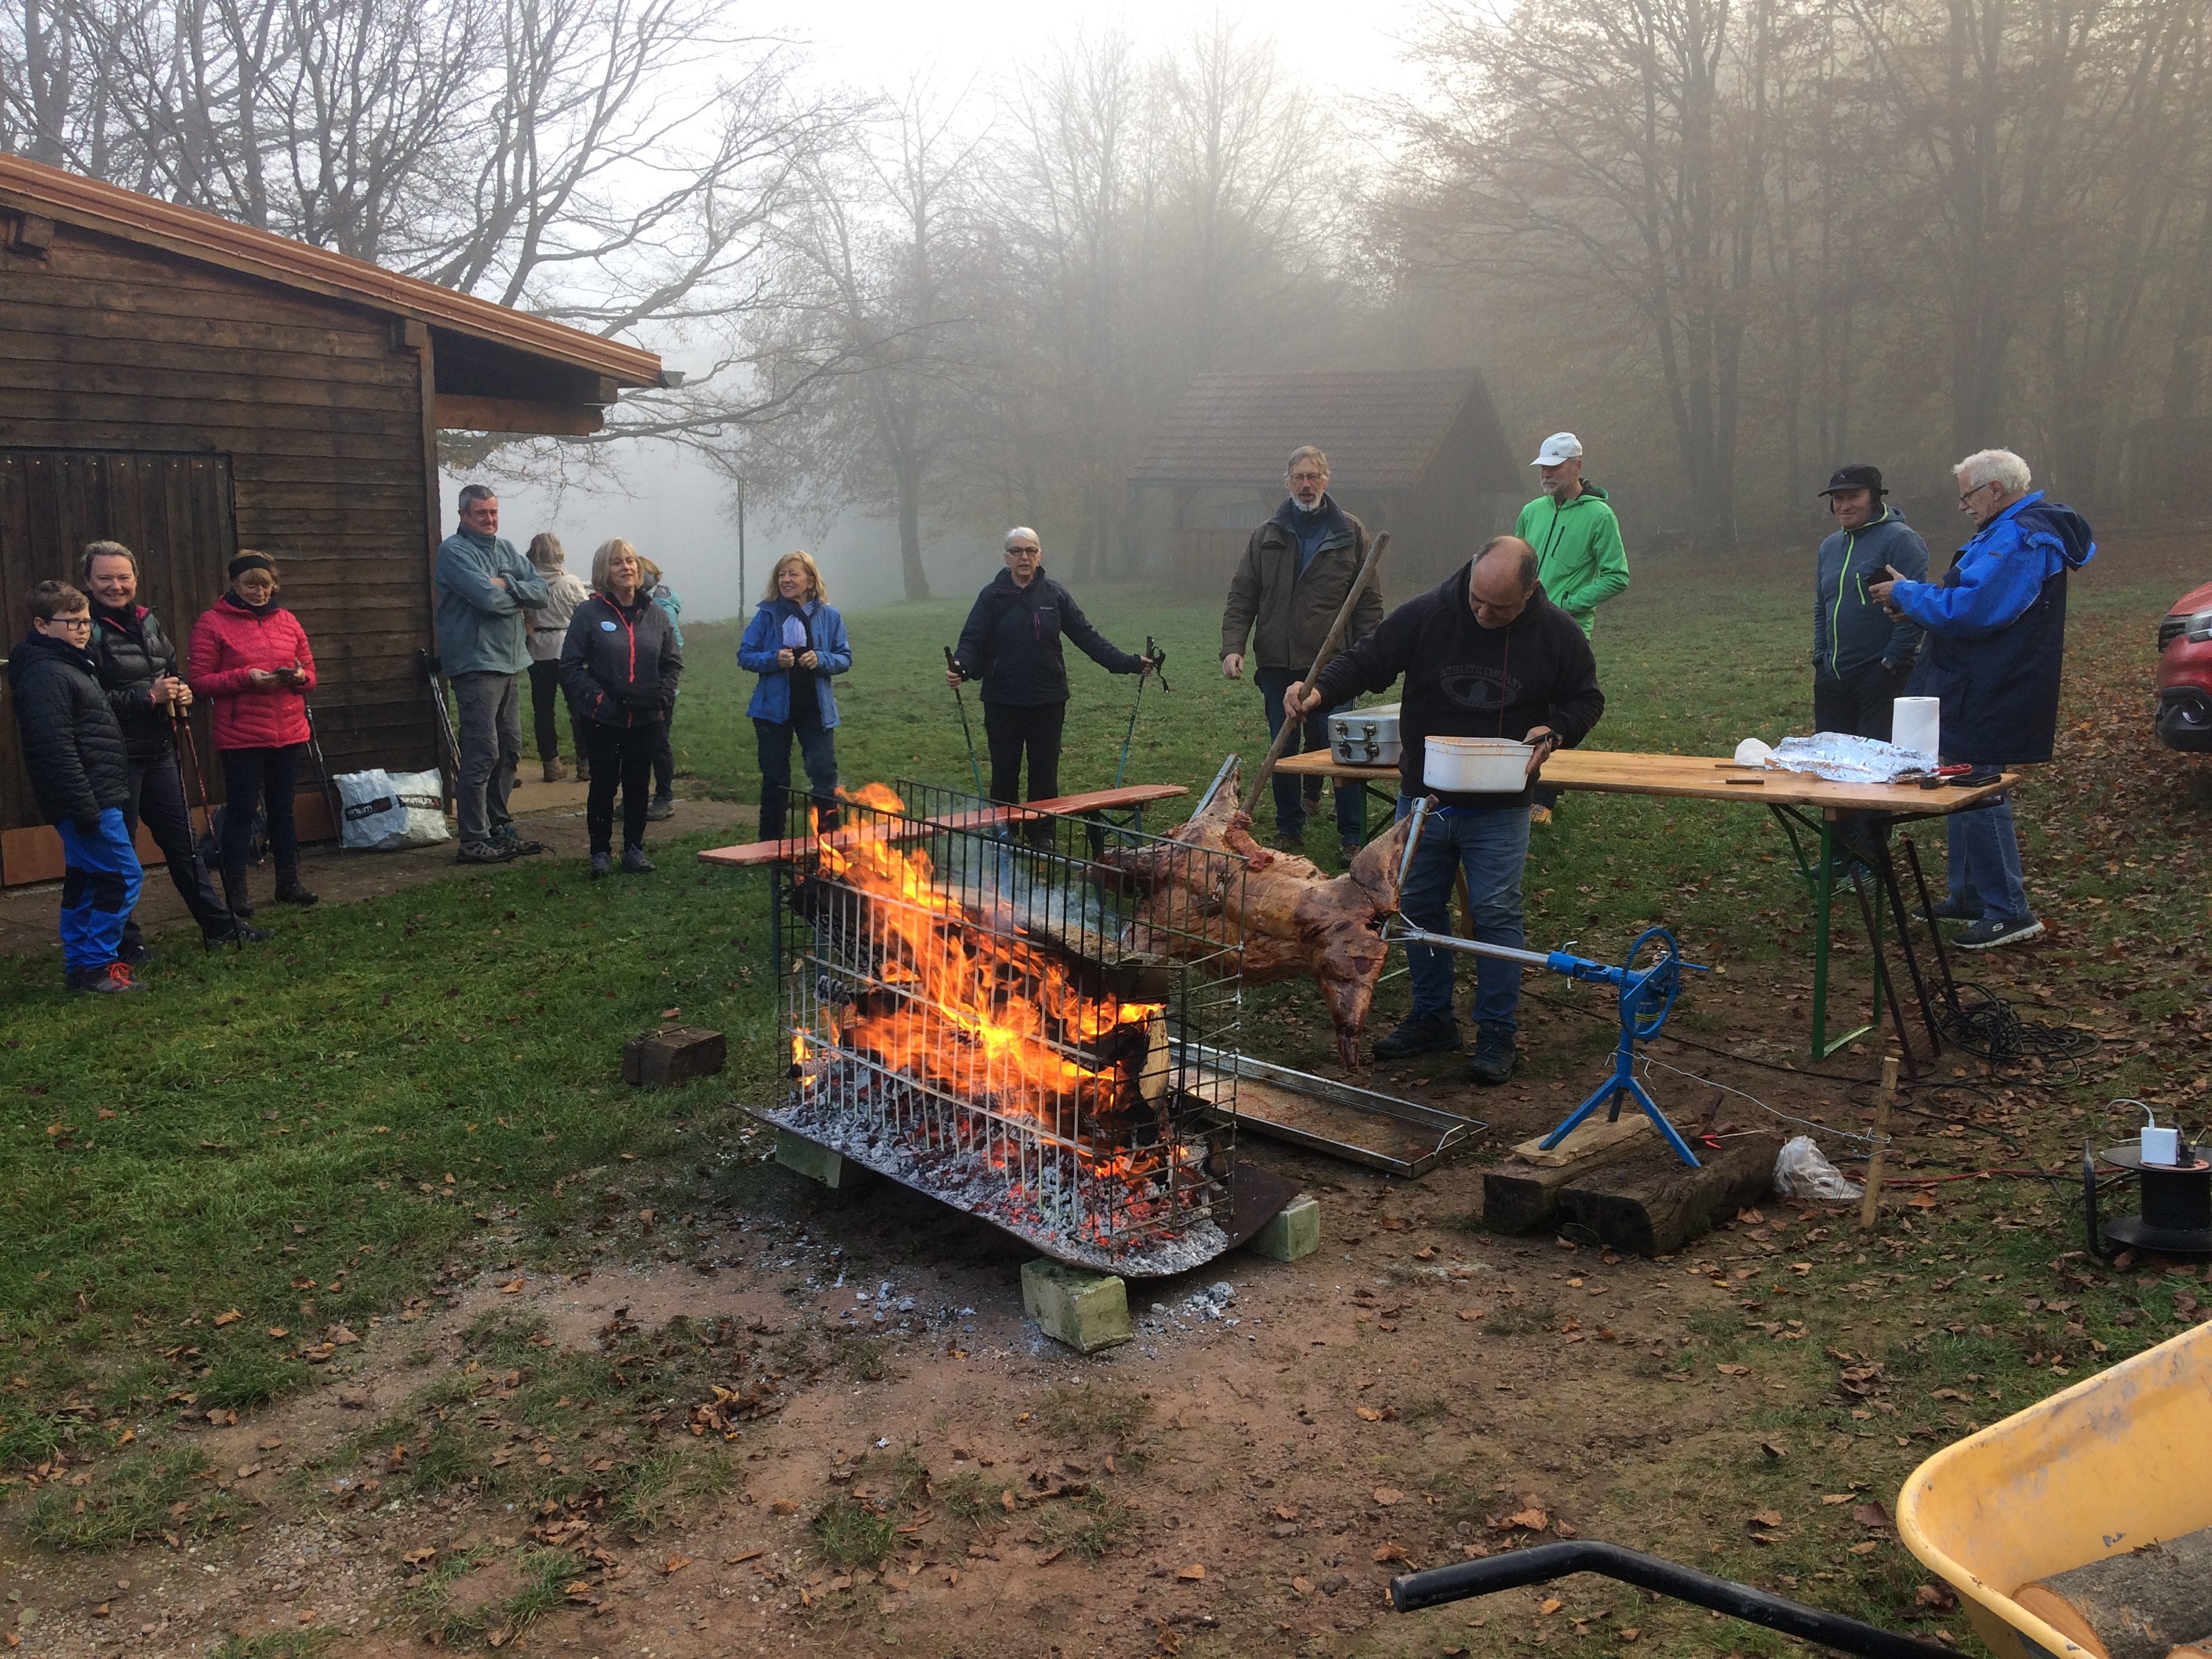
x: 1996, y: 631
x: 483, y: 644
x: 1861, y: 657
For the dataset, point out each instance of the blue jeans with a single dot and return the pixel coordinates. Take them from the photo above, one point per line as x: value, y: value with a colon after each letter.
x: 1492, y: 845
x: 1290, y: 801
x: 101, y: 879
x: 1984, y: 859
x: 817, y: 752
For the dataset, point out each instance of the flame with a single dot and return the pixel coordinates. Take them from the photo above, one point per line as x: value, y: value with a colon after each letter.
x: 976, y: 1015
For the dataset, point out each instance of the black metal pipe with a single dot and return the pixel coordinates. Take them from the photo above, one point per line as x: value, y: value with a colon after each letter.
x: 1544, y: 1562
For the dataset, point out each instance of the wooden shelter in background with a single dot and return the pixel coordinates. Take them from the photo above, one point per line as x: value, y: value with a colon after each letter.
x: 189, y: 386
x: 1418, y: 452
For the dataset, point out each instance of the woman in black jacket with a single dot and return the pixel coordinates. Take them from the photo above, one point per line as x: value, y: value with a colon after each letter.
x: 1011, y: 643
x: 619, y: 665
x: 137, y: 669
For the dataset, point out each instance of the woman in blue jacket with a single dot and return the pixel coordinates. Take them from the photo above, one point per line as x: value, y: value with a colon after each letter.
x: 794, y: 642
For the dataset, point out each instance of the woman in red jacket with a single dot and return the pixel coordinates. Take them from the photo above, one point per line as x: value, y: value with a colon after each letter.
x: 250, y: 657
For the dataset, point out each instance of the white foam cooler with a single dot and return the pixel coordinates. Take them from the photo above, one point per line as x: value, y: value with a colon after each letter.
x: 1365, y: 737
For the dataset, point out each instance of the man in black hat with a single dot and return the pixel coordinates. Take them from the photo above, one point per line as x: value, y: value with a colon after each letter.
x: 1860, y: 658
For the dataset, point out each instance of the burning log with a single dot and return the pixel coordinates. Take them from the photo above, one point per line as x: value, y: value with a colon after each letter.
x: 1290, y: 918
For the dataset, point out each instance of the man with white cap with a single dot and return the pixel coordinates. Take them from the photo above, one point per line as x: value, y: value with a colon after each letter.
x: 1579, y: 556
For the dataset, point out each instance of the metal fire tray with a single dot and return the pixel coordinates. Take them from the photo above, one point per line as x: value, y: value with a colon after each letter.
x: 1359, y: 1125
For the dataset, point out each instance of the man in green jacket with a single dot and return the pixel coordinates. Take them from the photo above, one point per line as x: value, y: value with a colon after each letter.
x: 1580, y: 559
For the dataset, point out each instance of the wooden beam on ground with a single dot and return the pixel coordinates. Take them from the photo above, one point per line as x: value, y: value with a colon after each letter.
x: 459, y: 412
x: 1654, y: 1203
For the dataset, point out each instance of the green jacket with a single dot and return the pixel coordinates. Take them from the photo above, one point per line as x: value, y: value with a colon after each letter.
x: 1581, y: 561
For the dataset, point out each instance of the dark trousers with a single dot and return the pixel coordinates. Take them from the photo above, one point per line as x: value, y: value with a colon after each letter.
x: 547, y: 700
x: 663, y: 758
x: 621, y: 758
x: 1290, y: 790
x: 1861, y: 703
x: 1009, y: 729
x: 817, y: 752
x: 157, y: 795
x: 265, y: 777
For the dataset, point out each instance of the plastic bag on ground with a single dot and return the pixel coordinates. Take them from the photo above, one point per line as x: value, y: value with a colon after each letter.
x: 385, y: 810
x: 1801, y: 1171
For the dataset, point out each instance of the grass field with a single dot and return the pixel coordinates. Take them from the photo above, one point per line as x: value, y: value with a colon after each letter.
x: 199, y: 1185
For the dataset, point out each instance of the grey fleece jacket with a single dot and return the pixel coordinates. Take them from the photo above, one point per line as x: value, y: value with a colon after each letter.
x: 1850, y: 631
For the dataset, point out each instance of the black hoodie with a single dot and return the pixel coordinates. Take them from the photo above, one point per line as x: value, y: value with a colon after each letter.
x: 1012, y: 641
x: 1464, y: 680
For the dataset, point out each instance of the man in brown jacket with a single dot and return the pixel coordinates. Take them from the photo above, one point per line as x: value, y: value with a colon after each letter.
x: 1288, y: 588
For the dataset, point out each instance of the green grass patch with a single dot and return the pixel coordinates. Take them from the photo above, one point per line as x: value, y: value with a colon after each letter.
x: 1093, y: 1412
x: 140, y: 1495
x: 1092, y: 1526
x: 848, y: 1533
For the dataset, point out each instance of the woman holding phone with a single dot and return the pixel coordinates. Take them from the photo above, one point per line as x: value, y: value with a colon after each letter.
x: 250, y: 657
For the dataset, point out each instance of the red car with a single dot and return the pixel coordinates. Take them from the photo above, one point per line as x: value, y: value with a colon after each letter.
x: 2184, y: 672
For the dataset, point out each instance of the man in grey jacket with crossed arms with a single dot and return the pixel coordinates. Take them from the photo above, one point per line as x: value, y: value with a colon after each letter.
x: 483, y: 587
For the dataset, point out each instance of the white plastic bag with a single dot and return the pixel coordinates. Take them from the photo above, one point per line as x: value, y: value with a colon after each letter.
x: 387, y: 811
x: 1802, y: 1172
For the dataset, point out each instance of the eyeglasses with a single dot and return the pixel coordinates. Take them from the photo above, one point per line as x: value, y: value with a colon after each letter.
x: 83, y: 621
x: 1969, y: 494
x: 1308, y: 477
x: 1030, y: 552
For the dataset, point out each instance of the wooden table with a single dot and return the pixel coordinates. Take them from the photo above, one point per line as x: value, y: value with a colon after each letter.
x: 1129, y: 798
x: 1815, y: 814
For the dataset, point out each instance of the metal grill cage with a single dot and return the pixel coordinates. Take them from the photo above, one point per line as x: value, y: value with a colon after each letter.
x: 1003, y: 1009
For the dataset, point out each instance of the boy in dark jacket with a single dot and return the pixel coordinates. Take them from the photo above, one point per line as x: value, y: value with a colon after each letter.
x: 73, y: 749
x: 1484, y: 655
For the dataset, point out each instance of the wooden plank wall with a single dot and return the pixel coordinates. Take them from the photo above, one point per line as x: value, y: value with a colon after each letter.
x: 109, y: 347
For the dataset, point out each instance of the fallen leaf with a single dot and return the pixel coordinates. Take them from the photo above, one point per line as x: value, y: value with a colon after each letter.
x: 512, y: 1287
x: 1867, y: 1548
x: 749, y: 1555
x: 1922, y: 1201
x: 1768, y: 1518
x: 230, y: 1318
x: 1837, y: 1496
x: 248, y: 1471
x: 1192, y: 1573
x: 1389, y: 1553
x: 1935, y: 1596
x: 1427, y: 1253
x: 1368, y: 1414
x: 1469, y: 1314
x: 421, y: 1553
x: 1534, y: 1519
x: 1302, y: 1586
x: 1733, y: 1371
x: 1284, y: 1512
x: 1006, y: 1500
x: 1870, y: 1513
x: 674, y: 1564
x: 782, y: 1506
x: 1387, y: 1495
x: 1551, y: 1605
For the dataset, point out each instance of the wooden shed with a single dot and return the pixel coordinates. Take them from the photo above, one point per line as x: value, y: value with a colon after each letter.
x: 1418, y: 452
x: 189, y: 386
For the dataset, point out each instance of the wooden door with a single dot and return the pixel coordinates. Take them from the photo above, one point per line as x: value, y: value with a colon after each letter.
x: 173, y: 511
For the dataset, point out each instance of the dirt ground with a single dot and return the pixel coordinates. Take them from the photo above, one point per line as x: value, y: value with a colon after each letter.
x: 1416, y: 1391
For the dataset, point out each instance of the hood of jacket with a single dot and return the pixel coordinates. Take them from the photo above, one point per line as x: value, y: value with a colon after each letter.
x: 2076, y: 543
x: 23, y: 659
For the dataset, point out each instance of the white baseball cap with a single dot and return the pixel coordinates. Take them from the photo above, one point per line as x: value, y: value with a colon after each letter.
x: 1560, y: 446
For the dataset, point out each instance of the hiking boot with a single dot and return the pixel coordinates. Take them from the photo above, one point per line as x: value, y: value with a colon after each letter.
x: 134, y: 953
x: 555, y: 771
x: 1348, y: 846
x: 234, y: 899
x: 517, y: 847
x: 1988, y: 933
x: 1418, y: 1034
x: 583, y: 771
x: 635, y: 861
x: 603, y: 864
x: 242, y: 932
x: 1286, y: 841
x: 290, y: 891
x: 661, y: 807
x: 471, y: 852
x: 111, y: 980
x: 1493, y: 1053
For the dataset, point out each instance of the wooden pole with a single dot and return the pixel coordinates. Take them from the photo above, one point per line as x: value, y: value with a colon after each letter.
x: 1329, y: 647
x: 1883, y: 1103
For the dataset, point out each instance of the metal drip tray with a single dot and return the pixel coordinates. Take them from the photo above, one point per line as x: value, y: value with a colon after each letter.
x: 1340, y: 1119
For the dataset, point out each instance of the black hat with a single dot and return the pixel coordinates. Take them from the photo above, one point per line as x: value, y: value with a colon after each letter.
x: 1856, y: 475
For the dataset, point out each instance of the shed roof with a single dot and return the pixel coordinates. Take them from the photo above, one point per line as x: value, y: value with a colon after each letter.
x: 50, y: 193
x: 1381, y: 429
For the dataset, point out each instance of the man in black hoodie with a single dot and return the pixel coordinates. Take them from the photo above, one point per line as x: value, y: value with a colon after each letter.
x: 73, y: 750
x: 1484, y: 655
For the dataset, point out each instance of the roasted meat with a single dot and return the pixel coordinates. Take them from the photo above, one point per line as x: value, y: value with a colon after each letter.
x: 1289, y: 917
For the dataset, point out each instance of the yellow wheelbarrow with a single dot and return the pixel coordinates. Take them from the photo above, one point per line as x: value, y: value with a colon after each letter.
x: 2119, y: 1460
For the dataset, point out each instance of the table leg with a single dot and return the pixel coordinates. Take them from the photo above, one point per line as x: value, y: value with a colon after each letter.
x: 1818, y: 873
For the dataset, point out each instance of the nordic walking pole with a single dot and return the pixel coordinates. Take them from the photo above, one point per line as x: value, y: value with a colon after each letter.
x: 449, y: 761
x: 1292, y: 723
x: 331, y: 802
x: 960, y: 702
x: 1155, y: 656
x: 180, y: 726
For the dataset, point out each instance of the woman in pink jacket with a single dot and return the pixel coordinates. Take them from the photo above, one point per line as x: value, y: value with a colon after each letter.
x: 249, y: 657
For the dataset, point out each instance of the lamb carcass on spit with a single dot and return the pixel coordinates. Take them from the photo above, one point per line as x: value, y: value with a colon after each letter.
x: 1289, y: 917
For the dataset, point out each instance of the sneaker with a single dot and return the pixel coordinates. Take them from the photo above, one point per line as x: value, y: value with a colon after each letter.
x: 1947, y: 911
x: 1988, y: 933
x: 113, y: 980
x: 474, y: 852
x: 1539, y: 815
x: 519, y: 848
x: 290, y: 891
x: 635, y: 862
x: 1418, y: 1034
x: 1493, y: 1055
x: 135, y: 953
x: 243, y: 933
x: 661, y: 807
x: 603, y: 864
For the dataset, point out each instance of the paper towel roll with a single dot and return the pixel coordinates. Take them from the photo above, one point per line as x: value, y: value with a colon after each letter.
x: 1916, y: 723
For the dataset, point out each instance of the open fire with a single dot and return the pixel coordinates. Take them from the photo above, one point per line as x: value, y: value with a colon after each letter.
x: 964, y: 1019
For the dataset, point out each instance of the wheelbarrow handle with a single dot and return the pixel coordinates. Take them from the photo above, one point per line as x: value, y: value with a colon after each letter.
x: 1544, y: 1562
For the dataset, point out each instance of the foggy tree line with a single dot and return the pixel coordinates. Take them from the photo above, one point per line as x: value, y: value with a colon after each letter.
x: 1733, y: 241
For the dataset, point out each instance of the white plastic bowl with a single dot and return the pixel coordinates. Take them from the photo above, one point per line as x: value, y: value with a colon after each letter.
x: 1475, y: 766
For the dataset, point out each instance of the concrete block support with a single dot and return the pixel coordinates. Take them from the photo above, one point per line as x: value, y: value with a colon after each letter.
x: 1294, y: 1232
x: 1087, y: 1311
x: 818, y: 1162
